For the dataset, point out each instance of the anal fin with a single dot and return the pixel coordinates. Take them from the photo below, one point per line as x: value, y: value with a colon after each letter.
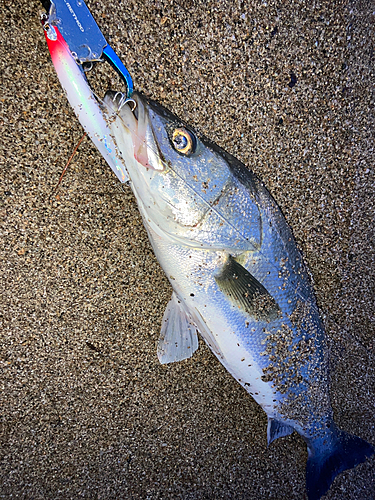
x: 178, y: 337
x: 276, y: 429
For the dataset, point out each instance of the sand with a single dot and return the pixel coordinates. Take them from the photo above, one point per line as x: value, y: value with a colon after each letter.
x: 87, y: 411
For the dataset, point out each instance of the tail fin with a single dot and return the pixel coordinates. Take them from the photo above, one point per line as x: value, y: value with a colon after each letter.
x: 331, y: 455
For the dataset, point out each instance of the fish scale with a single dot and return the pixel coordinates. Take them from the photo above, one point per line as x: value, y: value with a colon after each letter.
x: 193, y: 280
x: 194, y: 272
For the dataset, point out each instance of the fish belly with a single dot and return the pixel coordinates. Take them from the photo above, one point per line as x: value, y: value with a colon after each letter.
x: 230, y: 337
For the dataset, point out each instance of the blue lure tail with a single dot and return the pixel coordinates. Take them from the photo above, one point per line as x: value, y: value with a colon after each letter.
x: 324, y: 463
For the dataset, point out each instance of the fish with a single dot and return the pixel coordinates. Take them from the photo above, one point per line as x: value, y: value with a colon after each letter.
x: 238, y: 278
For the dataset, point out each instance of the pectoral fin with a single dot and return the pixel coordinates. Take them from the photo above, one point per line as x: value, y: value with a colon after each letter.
x: 246, y: 292
x: 178, y: 337
x: 276, y: 429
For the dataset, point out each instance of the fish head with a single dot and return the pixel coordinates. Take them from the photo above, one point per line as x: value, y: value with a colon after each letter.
x: 175, y: 175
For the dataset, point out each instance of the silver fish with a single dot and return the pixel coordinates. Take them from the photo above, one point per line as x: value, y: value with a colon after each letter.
x: 238, y: 279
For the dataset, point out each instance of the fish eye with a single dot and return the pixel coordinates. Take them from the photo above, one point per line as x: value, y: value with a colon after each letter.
x: 183, y: 141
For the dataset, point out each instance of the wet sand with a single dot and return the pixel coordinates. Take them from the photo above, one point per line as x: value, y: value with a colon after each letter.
x: 87, y: 410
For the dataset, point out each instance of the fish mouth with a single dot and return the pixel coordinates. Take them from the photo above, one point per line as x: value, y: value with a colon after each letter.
x: 132, y: 117
x: 129, y: 116
x: 139, y: 107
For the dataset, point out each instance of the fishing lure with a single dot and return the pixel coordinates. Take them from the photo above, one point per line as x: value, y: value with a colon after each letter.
x: 74, y: 40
